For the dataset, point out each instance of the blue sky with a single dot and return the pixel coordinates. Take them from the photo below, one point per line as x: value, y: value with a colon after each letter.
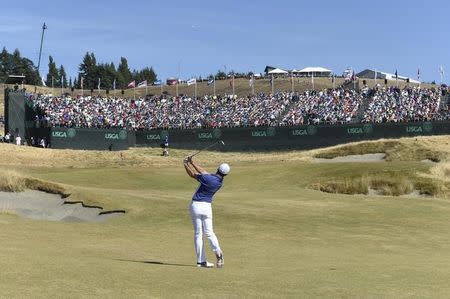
x: 201, y: 37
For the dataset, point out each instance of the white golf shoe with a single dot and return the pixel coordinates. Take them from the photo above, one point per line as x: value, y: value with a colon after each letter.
x: 205, y: 265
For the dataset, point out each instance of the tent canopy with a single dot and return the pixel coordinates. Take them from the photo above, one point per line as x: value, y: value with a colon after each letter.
x: 316, y: 69
x: 277, y: 71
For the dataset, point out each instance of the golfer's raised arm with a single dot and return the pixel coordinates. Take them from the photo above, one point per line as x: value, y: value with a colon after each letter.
x: 189, y: 171
x: 197, y: 167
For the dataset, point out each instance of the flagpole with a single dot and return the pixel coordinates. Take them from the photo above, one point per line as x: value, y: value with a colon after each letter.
x: 53, y: 92
x: 272, y: 85
x: 214, y: 86
x: 233, y: 85
x: 253, y: 85
x: 161, y: 87
x: 134, y: 92
x: 312, y: 80
x: 418, y: 76
x: 195, y: 90
x: 62, y: 85
x: 376, y: 77
x: 146, y: 89
x: 292, y: 82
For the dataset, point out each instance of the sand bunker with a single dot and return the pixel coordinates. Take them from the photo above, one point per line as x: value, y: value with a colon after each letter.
x: 377, y: 157
x: 45, y: 206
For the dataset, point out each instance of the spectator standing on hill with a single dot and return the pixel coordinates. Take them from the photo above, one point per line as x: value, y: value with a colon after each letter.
x: 201, y: 210
x: 7, y: 137
x: 18, y: 140
x: 42, y: 143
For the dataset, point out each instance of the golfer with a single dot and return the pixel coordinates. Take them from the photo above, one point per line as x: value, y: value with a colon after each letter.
x: 201, y: 211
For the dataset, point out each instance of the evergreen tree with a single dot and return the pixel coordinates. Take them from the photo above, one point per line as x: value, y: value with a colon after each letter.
x: 62, y: 77
x: 88, y: 70
x: 52, y: 73
x: 14, y: 64
x: 148, y: 74
x: 124, y: 74
x: 70, y: 82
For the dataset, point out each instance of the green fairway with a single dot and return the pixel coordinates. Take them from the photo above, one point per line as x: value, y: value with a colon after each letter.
x: 280, y: 237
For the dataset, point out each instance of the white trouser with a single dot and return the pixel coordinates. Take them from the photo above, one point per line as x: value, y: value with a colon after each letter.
x: 201, y: 213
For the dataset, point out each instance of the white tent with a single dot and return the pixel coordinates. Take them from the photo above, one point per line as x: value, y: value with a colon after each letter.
x: 315, y: 71
x: 277, y: 71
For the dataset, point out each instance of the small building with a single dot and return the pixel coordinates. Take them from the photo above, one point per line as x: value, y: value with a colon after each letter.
x: 375, y: 74
x: 268, y: 69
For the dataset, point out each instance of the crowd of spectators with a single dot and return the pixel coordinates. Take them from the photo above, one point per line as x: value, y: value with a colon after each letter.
x: 162, y: 111
x: 334, y: 106
x: 402, y: 105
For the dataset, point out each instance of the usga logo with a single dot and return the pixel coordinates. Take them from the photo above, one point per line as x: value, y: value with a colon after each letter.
x: 205, y: 135
x: 153, y: 137
x: 70, y: 133
x: 356, y: 130
x: 259, y: 133
x: 300, y: 132
x: 309, y: 130
x: 121, y: 135
x: 111, y: 136
x: 271, y: 131
x: 414, y: 129
x: 59, y: 134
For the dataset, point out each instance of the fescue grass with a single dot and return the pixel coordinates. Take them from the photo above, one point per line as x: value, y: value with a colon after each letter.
x: 12, y: 181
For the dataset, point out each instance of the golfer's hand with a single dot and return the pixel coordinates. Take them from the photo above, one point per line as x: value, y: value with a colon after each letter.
x: 189, y: 158
x: 185, y: 161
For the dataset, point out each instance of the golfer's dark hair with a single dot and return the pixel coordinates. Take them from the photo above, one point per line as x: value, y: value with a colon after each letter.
x: 219, y: 173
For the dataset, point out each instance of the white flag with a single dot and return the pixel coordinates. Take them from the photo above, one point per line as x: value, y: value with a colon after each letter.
x: 191, y: 81
x: 142, y: 84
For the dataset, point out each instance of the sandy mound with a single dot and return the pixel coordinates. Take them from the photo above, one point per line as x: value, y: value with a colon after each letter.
x: 45, y: 206
x: 377, y: 157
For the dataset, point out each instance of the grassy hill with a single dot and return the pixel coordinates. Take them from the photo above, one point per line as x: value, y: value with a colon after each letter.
x: 281, y: 237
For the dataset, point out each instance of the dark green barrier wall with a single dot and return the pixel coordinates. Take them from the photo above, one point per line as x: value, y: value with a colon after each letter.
x: 15, y: 114
x: 301, y: 137
x: 89, y: 139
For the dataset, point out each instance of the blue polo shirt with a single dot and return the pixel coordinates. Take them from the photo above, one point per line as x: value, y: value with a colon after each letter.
x: 209, y: 185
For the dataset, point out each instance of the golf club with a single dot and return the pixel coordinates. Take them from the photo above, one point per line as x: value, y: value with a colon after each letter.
x: 219, y: 142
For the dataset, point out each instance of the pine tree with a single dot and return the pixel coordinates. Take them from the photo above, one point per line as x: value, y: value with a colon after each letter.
x: 88, y: 70
x: 124, y: 73
x: 52, y: 73
x: 62, y: 77
x: 147, y: 74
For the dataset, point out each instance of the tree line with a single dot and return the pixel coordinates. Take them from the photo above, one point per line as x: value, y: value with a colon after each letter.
x: 15, y: 64
x: 90, y: 74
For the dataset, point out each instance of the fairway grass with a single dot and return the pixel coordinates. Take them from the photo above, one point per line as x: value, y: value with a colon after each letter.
x: 280, y: 237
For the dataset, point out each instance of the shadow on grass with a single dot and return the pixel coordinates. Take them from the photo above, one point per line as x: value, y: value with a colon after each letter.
x: 157, y: 263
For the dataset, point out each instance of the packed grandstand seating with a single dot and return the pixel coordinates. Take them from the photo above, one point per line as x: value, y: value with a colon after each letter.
x: 337, y: 106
